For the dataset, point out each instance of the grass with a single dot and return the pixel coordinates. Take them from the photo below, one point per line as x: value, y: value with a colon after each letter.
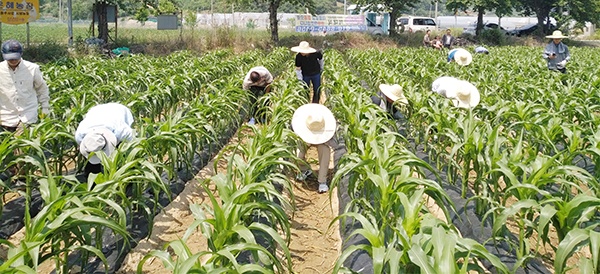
x: 46, y: 40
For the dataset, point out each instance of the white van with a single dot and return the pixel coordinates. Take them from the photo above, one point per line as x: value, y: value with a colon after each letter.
x: 415, y: 23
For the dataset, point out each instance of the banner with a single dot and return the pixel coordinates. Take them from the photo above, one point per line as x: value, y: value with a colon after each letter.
x: 330, y: 23
x: 17, y: 12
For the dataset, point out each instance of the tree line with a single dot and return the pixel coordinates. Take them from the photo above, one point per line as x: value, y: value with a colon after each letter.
x: 563, y: 11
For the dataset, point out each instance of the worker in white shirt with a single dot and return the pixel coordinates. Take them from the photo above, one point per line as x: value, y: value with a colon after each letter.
x: 22, y: 89
x: 102, y: 129
x: 257, y: 81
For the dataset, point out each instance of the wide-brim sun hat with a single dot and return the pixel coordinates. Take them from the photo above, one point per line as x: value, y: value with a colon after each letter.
x: 445, y: 86
x: 467, y: 95
x: 557, y: 34
x: 394, y: 92
x: 463, y: 57
x: 98, y: 139
x: 314, y: 123
x: 303, y: 47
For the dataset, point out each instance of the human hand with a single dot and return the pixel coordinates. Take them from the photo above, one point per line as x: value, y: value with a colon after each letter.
x: 299, y: 75
x: 561, y: 64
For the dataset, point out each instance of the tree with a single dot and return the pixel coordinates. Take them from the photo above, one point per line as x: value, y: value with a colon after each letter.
x: 273, y: 6
x: 394, y: 7
x: 100, y: 7
x: 541, y: 9
x: 579, y: 10
x: 502, y: 7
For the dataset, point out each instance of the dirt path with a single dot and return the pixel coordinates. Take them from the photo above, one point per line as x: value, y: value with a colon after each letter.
x: 314, y: 248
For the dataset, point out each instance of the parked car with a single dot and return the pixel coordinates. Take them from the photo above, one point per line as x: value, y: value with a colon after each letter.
x: 529, y: 29
x: 487, y: 26
x: 414, y: 23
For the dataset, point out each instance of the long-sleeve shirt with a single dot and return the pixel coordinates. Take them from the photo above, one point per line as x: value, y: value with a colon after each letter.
x: 113, y: 116
x: 447, y: 40
x: 562, y: 53
x: 265, y: 78
x: 21, y: 92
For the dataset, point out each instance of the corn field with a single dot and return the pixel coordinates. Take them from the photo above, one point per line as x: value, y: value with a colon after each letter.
x: 524, y: 161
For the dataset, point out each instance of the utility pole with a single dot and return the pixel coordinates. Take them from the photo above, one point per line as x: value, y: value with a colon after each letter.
x: 60, y: 11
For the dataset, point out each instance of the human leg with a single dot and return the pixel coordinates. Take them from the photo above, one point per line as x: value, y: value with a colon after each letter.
x: 92, y: 168
x: 305, y: 170
x: 324, y: 153
x: 316, y: 83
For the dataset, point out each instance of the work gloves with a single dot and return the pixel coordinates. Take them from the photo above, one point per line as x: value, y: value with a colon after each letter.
x: 299, y: 74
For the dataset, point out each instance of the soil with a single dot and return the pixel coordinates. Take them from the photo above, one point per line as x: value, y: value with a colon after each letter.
x: 314, y: 246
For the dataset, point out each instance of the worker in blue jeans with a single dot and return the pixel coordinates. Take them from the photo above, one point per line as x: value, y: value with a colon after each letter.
x: 309, y: 66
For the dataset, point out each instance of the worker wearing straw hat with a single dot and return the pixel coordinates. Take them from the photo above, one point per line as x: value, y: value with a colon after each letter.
x: 389, y: 98
x: 315, y: 125
x: 462, y: 93
x: 556, y: 52
x: 102, y: 129
x: 460, y: 56
x: 309, y: 65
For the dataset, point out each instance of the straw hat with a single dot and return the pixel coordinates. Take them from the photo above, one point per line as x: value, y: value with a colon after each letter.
x: 314, y: 123
x: 557, y: 34
x: 467, y: 95
x: 445, y: 86
x: 394, y: 92
x: 462, y: 57
x: 304, y: 47
x: 98, y: 139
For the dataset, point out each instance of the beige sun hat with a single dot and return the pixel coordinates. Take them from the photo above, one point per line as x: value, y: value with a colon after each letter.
x: 557, y: 34
x: 463, y: 57
x: 304, y: 47
x: 394, y: 92
x: 98, y: 139
x: 314, y: 123
x: 467, y: 95
x: 445, y: 85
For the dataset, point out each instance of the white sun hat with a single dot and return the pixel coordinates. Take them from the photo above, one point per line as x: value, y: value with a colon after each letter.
x: 463, y: 57
x: 98, y: 139
x: 394, y: 92
x: 304, y: 47
x: 467, y: 95
x: 557, y: 34
x: 314, y: 123
x: 445, y: 86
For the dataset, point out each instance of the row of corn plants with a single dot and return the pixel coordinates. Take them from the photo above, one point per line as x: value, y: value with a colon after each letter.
x: 176, y: 115
x: 388, y: 192
x: 522, y: 152
x: 246, y: 224
x: 516, y: 153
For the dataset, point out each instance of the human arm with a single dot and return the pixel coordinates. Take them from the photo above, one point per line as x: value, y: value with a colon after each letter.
x: 41, y: 90
x: 246, y: 82
x: 320, y: 60
x: 567, y: 54
x: 298, y: 64
x: 548, y: 52
x: 268, y: 78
